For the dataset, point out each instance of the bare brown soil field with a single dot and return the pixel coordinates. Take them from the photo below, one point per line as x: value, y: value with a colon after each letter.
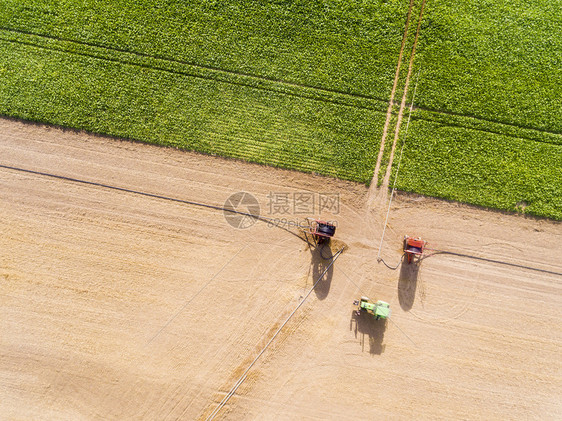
x: 118, y: 305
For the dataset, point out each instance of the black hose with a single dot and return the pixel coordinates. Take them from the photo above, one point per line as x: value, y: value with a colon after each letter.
x: 156, y: 196
x: 499, y: 262
x: 380, y: 259
x: 322, y: 251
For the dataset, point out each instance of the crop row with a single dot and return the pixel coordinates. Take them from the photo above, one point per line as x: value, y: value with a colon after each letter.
x: 482, y: 168
x: 188, y: 112
x: 346, y: 46
x: 493, y: 60
x: 197, y: 71
x: 478, y: 124
x: 303, y: 85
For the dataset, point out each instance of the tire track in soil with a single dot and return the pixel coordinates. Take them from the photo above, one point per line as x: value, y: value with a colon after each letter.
x: 492, y: 345
x: 386, y: 180
x: 245, y: 375
x: 390, y: 105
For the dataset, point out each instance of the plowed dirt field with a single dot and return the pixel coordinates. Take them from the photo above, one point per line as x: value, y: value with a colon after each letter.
x: 119, y: 300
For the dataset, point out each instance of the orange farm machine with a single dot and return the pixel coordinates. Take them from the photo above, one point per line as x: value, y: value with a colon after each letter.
x: 414, y: 248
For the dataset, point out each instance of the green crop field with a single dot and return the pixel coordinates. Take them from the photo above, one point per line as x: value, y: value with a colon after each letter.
x: 484, y: 168
x: 285, y: 83
x: 305, y: 85
x: 488, y: 129
x: 494, y: 60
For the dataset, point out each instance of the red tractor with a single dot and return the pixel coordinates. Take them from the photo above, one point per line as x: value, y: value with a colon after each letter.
x: 413, y: 248
x: 320, y: 231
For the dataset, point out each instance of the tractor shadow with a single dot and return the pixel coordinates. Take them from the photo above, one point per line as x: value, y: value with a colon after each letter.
x: 366, y: 327
x: 321, y: 258
x: 407, y: 284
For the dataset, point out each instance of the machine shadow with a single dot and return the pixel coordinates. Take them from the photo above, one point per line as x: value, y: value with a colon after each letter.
x: 321, y: 258
x: 407, y: 284
x: 365, y: 326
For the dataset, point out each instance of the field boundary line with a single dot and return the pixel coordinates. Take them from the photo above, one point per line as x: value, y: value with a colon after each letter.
x: 201, y: 71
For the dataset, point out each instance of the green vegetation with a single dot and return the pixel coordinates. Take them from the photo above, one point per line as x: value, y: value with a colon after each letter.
x: 348, y: 46
x: 487, y: 128
x: 171, y: 108
x: 304, y: 84
x: 482, y: 168
x: 289, y: 84
x: 493, y: 60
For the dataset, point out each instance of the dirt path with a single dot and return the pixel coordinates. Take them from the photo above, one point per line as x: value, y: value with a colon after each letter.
x: 117, y: 305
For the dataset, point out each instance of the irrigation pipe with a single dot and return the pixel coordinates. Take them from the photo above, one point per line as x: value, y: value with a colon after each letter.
x: 379, y: 258
x: 499, y: 262
x: 244, y: 375
x: 271, y: 221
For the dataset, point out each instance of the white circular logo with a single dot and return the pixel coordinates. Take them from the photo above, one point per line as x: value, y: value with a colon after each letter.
x: 241, y: 210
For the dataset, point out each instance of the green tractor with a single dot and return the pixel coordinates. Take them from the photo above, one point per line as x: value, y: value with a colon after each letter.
x: 379, y: 309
